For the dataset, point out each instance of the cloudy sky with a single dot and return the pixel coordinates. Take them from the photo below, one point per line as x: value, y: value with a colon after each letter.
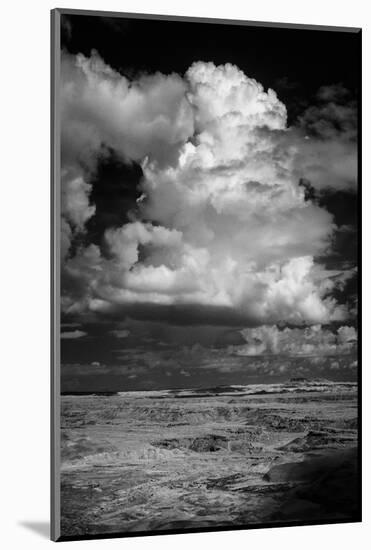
x: 209, y: 193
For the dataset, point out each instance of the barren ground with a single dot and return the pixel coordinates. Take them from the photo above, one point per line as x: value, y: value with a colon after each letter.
x: 161, y: 460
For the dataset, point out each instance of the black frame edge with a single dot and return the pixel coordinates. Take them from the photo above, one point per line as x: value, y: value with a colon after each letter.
x: 194, y: 19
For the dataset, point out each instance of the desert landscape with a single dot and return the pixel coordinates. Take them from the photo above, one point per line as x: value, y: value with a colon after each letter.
x: 202, y: 458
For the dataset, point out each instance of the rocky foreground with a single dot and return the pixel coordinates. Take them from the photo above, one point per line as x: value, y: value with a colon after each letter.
x: 166, y: 460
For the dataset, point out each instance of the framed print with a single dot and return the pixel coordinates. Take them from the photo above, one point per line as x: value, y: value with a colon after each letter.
x: 205, y: 236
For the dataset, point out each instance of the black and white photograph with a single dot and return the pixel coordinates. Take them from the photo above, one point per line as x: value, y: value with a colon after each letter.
x: 207, y: 189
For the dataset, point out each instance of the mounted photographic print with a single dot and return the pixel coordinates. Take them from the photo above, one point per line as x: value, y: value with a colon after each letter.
x: 205, y: 194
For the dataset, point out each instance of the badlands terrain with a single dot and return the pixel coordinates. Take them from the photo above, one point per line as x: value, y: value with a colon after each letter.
x: 204, y: 458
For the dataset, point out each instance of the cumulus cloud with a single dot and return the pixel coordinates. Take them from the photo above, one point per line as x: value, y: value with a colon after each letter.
x: 347, y: 335
x: 313, y: 340
x: 147, y: 116
x: 222, y: 219
x: 327, y: 155
x: 75, y: 205
x: 328, y: 164
x: 76, y: 209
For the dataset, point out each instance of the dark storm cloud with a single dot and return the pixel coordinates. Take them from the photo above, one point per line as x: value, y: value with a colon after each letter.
x: 335, y: 93
x: 201, y: 367
x: 343, y: 255
x: 331, y: 117
x: 177, y: 314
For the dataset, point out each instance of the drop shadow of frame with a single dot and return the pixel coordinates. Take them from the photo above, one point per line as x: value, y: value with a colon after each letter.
x: 41, y: 528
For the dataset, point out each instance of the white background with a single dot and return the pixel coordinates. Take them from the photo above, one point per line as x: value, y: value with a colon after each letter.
x: 24, y: 272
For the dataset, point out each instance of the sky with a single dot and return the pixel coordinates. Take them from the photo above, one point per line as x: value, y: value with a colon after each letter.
x: 209, y: 203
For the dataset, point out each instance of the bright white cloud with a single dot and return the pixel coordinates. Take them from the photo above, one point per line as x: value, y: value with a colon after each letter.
x: 226, y: 224
x: 312, y: 341
x: 148, y: 116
